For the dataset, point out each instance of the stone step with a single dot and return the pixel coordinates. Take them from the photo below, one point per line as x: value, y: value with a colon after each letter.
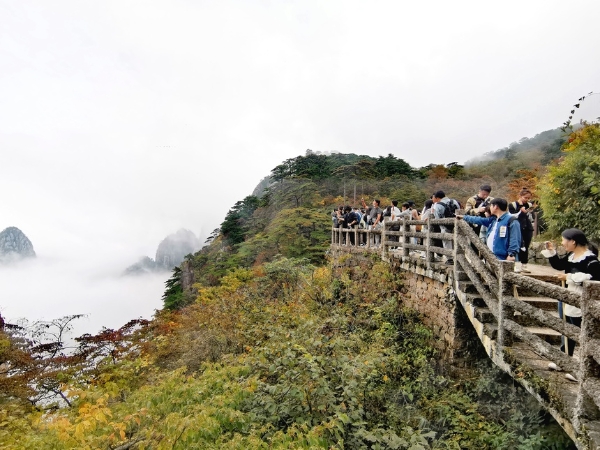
x: 490, y: 330
x: 552, y: 313
x: 484, y: 315
x: 476, y: 300
x: 545, y: 303
x: 467, y: 287
x: 548, y: 334
x: 542, y: 331
x: 461, y: 275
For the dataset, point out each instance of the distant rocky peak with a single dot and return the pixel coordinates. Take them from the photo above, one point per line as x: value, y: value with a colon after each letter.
x: 173, y: 249
x: 15, y: 245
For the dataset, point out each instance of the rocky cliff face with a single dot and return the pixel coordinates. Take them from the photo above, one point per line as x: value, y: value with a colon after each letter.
x: 15, y: 245
x: 143, y: 266
x: 175, y: 247
x: 170, y: 254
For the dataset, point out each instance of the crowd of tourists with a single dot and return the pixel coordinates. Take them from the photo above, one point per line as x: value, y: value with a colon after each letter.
x: 505, y: 227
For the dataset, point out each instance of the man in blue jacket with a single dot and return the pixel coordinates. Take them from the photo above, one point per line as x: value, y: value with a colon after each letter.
x: 504, y: 232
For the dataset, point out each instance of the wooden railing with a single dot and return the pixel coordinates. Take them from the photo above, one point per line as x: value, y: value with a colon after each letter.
x: 476, y: 269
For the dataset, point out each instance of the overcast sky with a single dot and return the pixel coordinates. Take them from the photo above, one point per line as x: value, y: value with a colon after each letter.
x: 122, y: 121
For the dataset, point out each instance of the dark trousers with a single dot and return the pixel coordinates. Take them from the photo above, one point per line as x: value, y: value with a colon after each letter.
x: 436, y: 242
x: 526, y: 236
x: 395, y: 226
x: 571, y: 347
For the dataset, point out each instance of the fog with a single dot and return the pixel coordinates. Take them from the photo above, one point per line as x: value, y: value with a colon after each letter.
x: 50, y: 287
x: 124, y: 121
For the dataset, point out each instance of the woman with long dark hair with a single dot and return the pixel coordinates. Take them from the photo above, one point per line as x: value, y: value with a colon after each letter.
x: 580, y: 264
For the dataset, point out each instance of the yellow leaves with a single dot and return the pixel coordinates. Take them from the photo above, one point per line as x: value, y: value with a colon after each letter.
x: 90, y: 417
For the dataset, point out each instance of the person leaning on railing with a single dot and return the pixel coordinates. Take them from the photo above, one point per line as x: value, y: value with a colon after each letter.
x: 580, y: 264
x: 351, y: 220
x: 375, y: 217
x: 504, y: 232
x: 477, y: 205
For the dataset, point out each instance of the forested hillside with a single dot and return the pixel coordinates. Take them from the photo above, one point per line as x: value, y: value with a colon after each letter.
x: 288, y: 213
x: 266, y: 343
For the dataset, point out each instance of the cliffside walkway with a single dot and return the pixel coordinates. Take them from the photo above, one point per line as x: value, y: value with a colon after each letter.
x: 515, y: 315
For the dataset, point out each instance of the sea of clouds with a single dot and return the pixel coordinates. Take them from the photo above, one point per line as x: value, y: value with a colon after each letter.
x: 50, y: 287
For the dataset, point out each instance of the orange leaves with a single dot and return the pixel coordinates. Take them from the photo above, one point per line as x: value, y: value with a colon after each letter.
x: 528, y: 178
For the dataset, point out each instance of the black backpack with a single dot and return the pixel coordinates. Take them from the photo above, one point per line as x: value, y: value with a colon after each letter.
x: 450, y: 208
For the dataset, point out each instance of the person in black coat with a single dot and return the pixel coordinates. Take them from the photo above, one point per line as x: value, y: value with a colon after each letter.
x: 521, y: 209
x: 351, y: 220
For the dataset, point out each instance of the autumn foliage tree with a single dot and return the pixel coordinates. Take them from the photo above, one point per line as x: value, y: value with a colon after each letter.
x: 570, y: 192
x: 528, y: 178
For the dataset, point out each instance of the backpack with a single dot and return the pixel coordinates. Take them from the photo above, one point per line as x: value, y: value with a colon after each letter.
x: 450, y: 208
x: 334, y: 219
x: 362, y: 224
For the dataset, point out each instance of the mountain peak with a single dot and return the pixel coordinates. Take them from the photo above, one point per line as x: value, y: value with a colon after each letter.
x: 15, y: 245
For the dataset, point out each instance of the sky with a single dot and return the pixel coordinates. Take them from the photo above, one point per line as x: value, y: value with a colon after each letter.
x: 122, y: 121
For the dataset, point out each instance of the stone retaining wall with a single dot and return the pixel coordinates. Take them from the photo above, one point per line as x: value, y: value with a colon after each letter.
x: 430, y: 293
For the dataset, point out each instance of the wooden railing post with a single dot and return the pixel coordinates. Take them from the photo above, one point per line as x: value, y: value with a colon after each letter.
x: 428, y: 252
x: 383, y: 246
x: 504, y: 312
x: 589, y: 368
x: 403, y: 238
x: 457, y: 250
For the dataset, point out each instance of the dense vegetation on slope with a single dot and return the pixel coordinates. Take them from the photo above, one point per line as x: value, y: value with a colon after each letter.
x: 286, y: 355
x: 275, y: 346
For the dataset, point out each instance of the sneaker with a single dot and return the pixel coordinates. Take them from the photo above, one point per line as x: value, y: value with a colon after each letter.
x: 518, y: 267
x: 524, y: 269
